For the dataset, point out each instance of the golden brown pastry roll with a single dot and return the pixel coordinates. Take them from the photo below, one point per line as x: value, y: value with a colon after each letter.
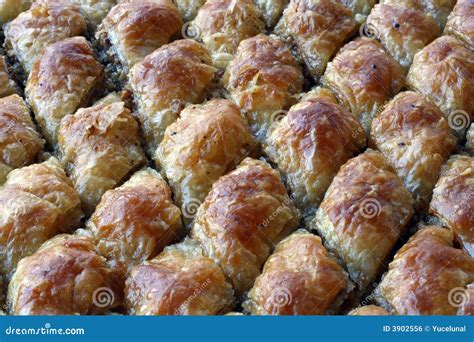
x: 188, y: 9
x: 37, y: 202
x: 65, y: 77
x: 443, y: 72
x: 360, y: 8
x: 135, y: 221
x: 263, y: 79
x: 134, y: 29
x: 438, y: 9
x: 175, y: 74
x: 101, y: 146
x: 402, y: 30
x: 66, y: 276
x: 271, y: 10
x: 453, y: 199
x: 222, y: 24
x: 20, y: 143
x: 299, y: 278
x: 369, y: 310
x: 9, y: 9
x: 416, y: 139
x: 461, y: 24
x: 317, y: 28
x: 44, y: 24
x: 363, y: 214
x: 470, y: 139
x: 206, y: 142
x: 363, y: 76
x: 7, y: 85
x: 179, y: 281
x: 425, y: 274
x: 311, y: 143
x: 246, y: 212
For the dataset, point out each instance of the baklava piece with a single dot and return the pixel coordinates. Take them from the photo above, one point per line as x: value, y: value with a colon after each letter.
x: 135, y: 221
x: 7, y: 84
x: 365, y: 210
x: 9, y: 9
x: 134, y: 29
x: 244, y: 215
x: 364, y: 77
x: 299, y: 278
x: 453, y: 199
x: 172, y: 76
x: 38, y: 202
x: 271, y: 10
x: 311, y: 143
x: 461, y: 23
x: 438, y: 9
x: 426, y: 276
x: 317, y: 28
x: 101, y: 146
x: 263, y: 79
x: 222, y: 24
x: 402, y: 30
x: 206, y: 142
x: 66, y: 276
x: 179, y: 281
x: 369, y: 310
x: 64, y: 78
x: 32, y: 31
x: 443, y: 72
x: 20, y: 143
x: 416, y: 139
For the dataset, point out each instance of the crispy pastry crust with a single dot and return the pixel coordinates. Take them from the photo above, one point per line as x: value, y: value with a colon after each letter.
x: 37, y: 202
x: 20, y: 143
x: 423, y: 275
x: 402, y: 30
x: 206, y: 142
x: 317, y: 28
x: 416, y: 139
x: 172, y: 76
x: 299, y: 278
x: 9, y: 9
x: 101, y: 146
x: 362, y: 215
x: 137, y: 28
x: 263, y: 79
x: 135, y: 221
x: 360, y: 8
x: 246, y: 212
x: 40, y: 26
x: 369, y: 310
x: 453, y: 199
x: 188, y: 9
x: 222, y: 24
x: 443, y: 72
x: 470, y: 139
x: 461, y: 24
x: 179, y: 281
x: 363, y: 77
x: 311, y: 143
x: 66, y: 276
x: 7, y: 85
x: 63, y: 79
x: 271, y: 10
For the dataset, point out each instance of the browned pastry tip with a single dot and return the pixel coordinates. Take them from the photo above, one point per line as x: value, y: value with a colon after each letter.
x: 369, y: 310
x: 427, y: 276
x: 101, y: 146
x: 416, y: 139
x: 453, y: 199
x: 165, y: 81
x: 65, y: 77
x: 317, y: 28
x: 66, y: 276
x: 179, y: 281
x: 207, y: 141
x: 363, y: 214
x: 299, y: 278
x: 364, y: 77
x: 461, y: 24
x: 263, y: 80
x: 134, y: 222
x: 244, y: 215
